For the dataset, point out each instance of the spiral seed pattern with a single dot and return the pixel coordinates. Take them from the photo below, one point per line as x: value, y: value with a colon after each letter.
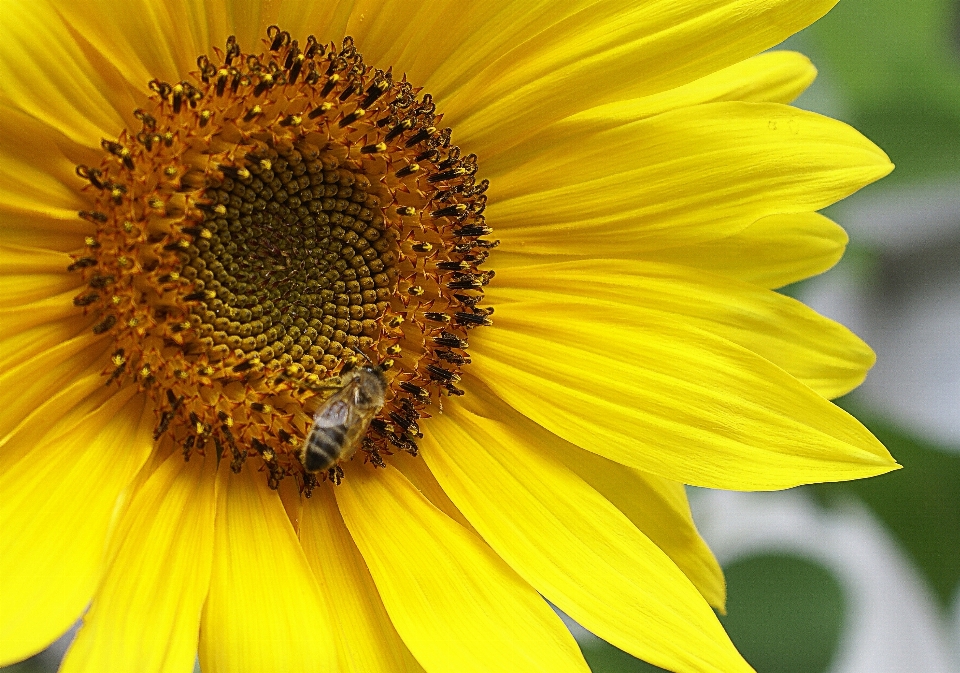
x: 301, y: 260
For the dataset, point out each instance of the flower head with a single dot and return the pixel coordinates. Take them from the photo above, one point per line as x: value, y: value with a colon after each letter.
x: 263, y: 384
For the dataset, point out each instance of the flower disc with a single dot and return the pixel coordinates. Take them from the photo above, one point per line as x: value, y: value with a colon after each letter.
x: 279, y: 216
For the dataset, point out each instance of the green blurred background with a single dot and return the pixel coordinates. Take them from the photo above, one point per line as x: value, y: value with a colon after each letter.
x: 799, y: 602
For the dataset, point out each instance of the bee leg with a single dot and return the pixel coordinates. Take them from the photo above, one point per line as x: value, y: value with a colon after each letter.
x: 376, y: 458
x: 275, y: 476
x: 309, y: 483
x: 335, y: 474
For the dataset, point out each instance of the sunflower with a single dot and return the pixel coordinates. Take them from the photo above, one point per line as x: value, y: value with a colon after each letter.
x: 264, y: 395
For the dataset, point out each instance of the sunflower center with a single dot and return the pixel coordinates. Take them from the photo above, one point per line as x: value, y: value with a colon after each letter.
x: 277, y: 220
x: 299, y: 261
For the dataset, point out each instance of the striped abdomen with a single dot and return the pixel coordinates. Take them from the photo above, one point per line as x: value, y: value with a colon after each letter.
x: 324, y: 447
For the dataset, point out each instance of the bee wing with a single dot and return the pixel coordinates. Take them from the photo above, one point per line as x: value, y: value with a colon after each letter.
x: 338, y: 409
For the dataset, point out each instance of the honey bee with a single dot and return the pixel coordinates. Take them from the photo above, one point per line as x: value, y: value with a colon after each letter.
x: 340, y: 423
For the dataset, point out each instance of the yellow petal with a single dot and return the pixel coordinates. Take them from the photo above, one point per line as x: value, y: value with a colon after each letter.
x: 25, y: 163
x: 25, y: 344
x: 773, y: 77
x: 63, y: 231
x: 45, y: 69
x: 772, y: 252
x: 455, y: 603
x: 819, y: 352
x: 462, y: 38
x: 31, y: 382
x: 657, y: 506
x: 247, y: 20
x: 16, y: 319
x: 667, y: 398
x: 54, y: 517
x: 146, y: 614
x: 163, y: 40
x: 569, y: 542
x: 679, y: 178
x: 18, y: 260
x: 609, y: 51
x: 264, y: 611
x: 396, y: 32
x: 39, y: 164
x: 150, y: 39
x: 28, y: 274
x: 38, y: 184
x: 292, y: 500
x: 368, y: 643
x: 420, y: 476
x: 57, y: 414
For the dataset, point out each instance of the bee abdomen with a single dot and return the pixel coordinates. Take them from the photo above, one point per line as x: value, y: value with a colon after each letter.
x: 324, y: 447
